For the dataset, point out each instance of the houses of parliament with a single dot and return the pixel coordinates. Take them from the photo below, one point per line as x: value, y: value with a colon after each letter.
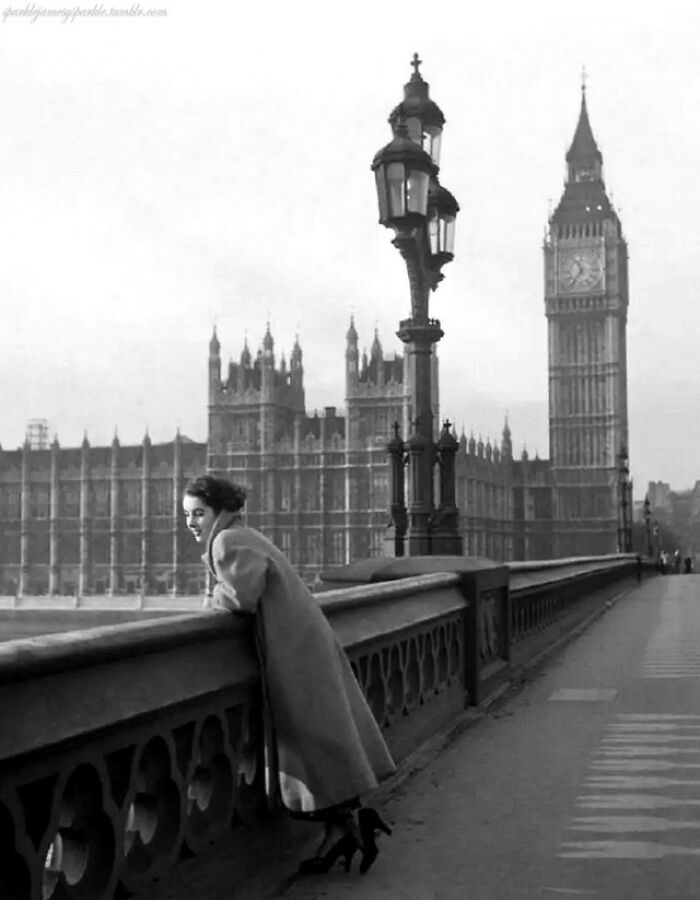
x: 107, y: 520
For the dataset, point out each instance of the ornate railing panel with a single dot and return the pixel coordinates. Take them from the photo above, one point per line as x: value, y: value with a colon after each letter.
x: 543, y: 593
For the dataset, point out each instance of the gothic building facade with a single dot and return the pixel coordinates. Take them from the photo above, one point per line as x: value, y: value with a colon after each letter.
x: 318, y: 485
x: 107, y: 520
x: 94, y: 520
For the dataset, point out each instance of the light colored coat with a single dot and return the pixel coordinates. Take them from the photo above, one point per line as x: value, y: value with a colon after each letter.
x: 328, y: 745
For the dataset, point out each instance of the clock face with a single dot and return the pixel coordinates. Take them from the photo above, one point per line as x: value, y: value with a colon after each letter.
x: 580, y: 270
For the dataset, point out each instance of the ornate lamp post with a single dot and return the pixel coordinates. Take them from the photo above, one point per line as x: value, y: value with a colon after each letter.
x: 623, y: 472
x: 422, y: 214
x: 647, y: 523
x: 656, y: 531
x: 630, y: 514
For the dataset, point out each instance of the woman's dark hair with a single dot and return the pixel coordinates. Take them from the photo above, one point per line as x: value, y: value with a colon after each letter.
x: 218, y: 493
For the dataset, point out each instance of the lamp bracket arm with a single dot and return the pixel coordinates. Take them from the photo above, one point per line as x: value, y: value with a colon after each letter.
x: 413, y: 249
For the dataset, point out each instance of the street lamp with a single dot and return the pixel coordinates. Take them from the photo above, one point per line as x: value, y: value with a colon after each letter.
x: 422, y: 214
x: 402, y: 173
x: 623, y: 471
x: 656, y: 531
x: 629, y: 506
x: 647, y: 523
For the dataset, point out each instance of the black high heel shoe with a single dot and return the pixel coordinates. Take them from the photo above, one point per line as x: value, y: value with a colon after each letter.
x: 345, y: 847
x: 369, y: 821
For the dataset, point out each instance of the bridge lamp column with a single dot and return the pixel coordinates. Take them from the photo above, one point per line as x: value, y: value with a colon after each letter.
x: 623, y: 482
x: 422, y: 215
x: 647, y: 523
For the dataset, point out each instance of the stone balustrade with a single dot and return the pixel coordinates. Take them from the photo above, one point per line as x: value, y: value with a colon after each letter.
x: 126, y: 747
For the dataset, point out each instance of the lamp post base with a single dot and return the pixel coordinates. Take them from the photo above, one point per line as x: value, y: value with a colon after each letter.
x: 445, y: 540
x: 418, y: 542
x: 394, y: 542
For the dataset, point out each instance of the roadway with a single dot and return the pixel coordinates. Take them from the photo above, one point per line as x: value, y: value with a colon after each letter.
x: 582, y: 783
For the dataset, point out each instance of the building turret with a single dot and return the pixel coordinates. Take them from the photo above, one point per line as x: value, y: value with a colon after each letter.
x: 297, y: 356
x: 506, y: 442
x: 214, y: 366
x: 365, y: 364
x: 268, y: 363
x: 243, y: 367
x: 214, y: 344
x: 352, y: 359
x: 296, y: 369
x: 377, y: 360
x: 268, y: 346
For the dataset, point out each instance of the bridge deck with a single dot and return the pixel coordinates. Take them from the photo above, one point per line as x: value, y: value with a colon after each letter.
x: 583, y: 783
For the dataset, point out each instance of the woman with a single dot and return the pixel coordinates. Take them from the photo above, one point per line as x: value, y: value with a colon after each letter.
x: 320, y: 731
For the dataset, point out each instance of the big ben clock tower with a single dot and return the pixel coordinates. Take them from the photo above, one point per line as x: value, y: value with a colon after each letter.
x: 586, y: 298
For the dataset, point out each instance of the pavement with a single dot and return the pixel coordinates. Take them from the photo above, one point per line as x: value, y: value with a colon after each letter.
x: 584, y: 782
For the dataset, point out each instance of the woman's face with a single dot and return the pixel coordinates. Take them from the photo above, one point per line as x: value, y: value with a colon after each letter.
x: 199, y: 517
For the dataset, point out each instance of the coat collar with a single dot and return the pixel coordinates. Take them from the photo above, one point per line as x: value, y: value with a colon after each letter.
x: 224, y: 520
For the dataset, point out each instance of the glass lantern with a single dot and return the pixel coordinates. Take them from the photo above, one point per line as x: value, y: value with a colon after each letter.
x: 428, y: 137
x: 402, y: 172
x: 443, y: 209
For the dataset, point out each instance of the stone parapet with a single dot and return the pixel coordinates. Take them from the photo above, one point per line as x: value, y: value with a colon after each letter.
x: 127, y: 747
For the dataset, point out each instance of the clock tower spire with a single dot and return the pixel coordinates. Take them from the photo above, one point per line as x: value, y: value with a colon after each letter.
x: 586, y: 299
x: 584, y: 160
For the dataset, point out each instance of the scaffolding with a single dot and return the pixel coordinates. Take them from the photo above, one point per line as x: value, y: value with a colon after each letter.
x: 37, y: 435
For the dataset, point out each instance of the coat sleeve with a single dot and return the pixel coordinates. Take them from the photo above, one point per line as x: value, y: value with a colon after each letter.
x: 241, y: 574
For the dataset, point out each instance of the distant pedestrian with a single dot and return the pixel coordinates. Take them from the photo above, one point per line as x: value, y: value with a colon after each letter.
x: 688, y: 565
x: 676, y: 562
x: 323, y: 746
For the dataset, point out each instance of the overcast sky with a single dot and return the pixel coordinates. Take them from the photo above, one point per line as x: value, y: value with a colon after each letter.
x: 212, y: 165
